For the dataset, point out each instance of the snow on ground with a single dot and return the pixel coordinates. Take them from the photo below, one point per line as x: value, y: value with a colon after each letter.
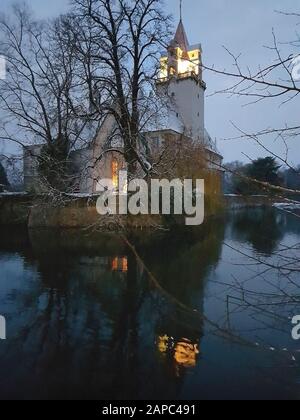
x: 12, y: 194
x: 290, y: 205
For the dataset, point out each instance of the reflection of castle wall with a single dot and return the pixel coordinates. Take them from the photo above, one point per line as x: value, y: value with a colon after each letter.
x: 14, y: 210
x: 183, y: 351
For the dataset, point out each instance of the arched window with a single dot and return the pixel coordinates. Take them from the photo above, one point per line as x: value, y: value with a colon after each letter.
x: 115, y: 172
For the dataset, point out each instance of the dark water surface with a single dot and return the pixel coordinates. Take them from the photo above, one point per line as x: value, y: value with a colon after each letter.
x: 85, y: 319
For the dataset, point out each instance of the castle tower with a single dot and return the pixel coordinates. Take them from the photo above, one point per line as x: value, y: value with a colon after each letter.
x: 180, y: 77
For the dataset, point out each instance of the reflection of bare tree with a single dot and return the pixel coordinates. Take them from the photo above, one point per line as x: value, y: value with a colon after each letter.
x: 262, y: 294
x: 270, y: 292
x: 105, y: 320
x: 261, y: 228
x: 90, y: 319
x: 274, y: 83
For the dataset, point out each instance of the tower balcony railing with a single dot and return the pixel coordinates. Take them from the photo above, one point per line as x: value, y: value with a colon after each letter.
x: 182, y: 76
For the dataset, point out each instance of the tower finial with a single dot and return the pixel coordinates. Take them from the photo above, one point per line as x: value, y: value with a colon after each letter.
x: 180, y: 9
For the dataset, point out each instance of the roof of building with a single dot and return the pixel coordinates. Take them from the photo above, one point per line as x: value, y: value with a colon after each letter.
x: 181, y: 37
x: 182, y: 41
x: 171, y: 121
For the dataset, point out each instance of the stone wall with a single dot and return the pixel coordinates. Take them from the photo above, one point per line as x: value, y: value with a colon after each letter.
x: 19, y: 209
x: 81, y: 214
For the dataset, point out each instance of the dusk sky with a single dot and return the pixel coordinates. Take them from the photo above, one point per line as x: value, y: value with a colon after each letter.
x: 243, y: 27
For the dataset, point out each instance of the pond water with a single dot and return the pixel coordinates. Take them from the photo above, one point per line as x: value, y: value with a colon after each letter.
x: 193, y: 314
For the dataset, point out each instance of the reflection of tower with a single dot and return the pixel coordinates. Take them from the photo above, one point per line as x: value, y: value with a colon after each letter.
x: 180, y: 78
x: 178, y: 352
x: 178, y: 329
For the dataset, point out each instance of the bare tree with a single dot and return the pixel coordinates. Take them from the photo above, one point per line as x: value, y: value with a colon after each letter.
x: 273, y: 82
x: 277, y: 272
x: 41, y: 92
x: 119, y: 44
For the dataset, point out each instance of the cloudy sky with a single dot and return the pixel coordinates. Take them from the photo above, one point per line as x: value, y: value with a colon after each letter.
x: 243, y: 27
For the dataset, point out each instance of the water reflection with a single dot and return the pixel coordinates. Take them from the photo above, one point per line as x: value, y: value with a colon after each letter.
x: 262, y: 228
x: 183, y: 352
x: 87, y: 320
x: 120, y: 264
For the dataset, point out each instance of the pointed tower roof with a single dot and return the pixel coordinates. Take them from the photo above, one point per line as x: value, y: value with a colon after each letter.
x: 181, y: 37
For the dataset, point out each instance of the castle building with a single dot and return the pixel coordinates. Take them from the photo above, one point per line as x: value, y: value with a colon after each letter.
x: 181, y: 84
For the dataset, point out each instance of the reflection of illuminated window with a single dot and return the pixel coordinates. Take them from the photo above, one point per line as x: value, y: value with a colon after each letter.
x: 120, y: 264
x: 115, y: 173
x: 163, y: 344
x: 184, y: 351
x: 186, y: 354
x: 115, y: 264
x: 124, y: 265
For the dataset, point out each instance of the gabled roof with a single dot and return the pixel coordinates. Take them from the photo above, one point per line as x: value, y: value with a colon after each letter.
x: 181, y: 37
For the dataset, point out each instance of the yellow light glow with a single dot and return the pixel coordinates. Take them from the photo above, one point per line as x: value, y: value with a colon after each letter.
x: 184, y: 351
x: 194, y: 54
x: 186, y: 354
x: 188, y: 66
x: 163, y: 343
x: 115, y: 264
x: 180, y: 62
x: 115, y: 173
x: 125, y: 264
x: 183, y: 66
x: 120, y: 264
x: 163, y: 68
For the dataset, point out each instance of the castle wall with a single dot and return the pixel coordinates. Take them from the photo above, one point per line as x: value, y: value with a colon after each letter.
x: 188, y: 96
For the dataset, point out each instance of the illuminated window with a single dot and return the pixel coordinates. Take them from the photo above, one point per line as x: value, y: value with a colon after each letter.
x: 164, y: 67
x: 115, y: 173
x: 115, y: 264
x: 125, y: 264
x: 120, y: 264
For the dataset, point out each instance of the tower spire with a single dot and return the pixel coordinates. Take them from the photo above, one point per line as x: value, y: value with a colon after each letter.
x: 180, y: 10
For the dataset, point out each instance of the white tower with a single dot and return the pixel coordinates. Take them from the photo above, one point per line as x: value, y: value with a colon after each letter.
x: 181, y: 78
